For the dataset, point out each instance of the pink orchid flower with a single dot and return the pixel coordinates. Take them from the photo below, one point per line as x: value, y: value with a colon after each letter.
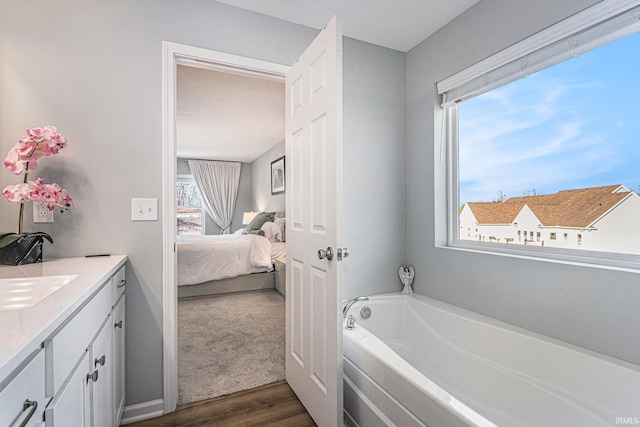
x: 49, y: 195
x: 14, y: 163
x: 16, y: 193
x: 23, y: 157
x: 39, y: 143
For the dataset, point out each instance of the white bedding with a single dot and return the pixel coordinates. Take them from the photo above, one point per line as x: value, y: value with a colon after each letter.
x: 203, y: 258
x: 278, y: 250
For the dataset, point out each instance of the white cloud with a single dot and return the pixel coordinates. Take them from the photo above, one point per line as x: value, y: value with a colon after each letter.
x: 528, y: 135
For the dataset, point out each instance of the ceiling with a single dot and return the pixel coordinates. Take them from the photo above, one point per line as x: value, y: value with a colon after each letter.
x: 398, y: 25
x: 222, y: 116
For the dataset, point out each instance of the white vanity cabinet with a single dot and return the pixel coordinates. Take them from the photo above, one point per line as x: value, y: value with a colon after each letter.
x: 85, y: 362
x: 62, y: 358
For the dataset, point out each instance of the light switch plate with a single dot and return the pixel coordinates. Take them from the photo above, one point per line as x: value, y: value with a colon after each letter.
x: 144, y: 209
x: 41, y: 213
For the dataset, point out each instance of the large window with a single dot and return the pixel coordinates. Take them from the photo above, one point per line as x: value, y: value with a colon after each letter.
x: 548, y: 139
x: 189, y: 207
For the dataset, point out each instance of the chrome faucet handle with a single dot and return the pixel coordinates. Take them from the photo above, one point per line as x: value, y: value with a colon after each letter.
x: 351, y: 323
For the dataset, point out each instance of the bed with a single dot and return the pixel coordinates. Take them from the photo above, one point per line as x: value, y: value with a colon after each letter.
x: 209, y: 264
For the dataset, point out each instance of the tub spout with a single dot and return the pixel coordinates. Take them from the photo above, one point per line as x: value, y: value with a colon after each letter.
x: 346, y: 304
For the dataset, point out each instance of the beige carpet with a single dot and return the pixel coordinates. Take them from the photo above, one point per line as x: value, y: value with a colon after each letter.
x: 229, y: 343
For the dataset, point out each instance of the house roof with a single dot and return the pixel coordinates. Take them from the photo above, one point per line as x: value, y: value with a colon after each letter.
x: 567, y: 208
x: 494, y: 212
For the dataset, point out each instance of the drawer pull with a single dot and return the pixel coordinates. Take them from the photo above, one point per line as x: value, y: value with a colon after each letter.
x: 100, y: 361
x: 122, y: 283
x: 118, y: 325
x: 93, y: 377
x: 33, y: 404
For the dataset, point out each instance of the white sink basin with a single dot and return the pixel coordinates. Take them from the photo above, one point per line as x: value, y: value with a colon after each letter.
x: 25, y: 292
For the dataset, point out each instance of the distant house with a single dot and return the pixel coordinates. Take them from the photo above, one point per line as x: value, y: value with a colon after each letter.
x: 600, y: 219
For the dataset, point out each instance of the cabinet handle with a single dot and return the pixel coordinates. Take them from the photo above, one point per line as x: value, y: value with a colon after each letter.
x: 100, y: 361
x: 33, y: 404
x: 118, y: 325
x: 93, y: 377
x: 122, y: 283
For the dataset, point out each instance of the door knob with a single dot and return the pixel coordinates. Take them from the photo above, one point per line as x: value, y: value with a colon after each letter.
x: 328, y: 254
x: 101, y: 361
x: 93, y: 376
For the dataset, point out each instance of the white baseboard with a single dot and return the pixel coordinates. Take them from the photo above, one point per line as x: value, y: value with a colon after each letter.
x: 142, y: 411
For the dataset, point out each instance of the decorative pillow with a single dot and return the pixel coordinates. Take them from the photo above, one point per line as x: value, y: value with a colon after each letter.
x: 271, y: 232
x: 257, y: 222
x: 281, y: 222
x: 257, y: 232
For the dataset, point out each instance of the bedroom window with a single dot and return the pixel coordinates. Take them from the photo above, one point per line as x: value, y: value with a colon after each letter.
x: 189, y: 207
x: 545, y: 133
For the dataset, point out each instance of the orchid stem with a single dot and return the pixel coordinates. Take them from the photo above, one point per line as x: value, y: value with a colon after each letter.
x: 21, y: 216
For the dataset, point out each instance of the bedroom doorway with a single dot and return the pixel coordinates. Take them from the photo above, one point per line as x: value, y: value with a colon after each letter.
x: 231, y: 317
x: 175, y: 55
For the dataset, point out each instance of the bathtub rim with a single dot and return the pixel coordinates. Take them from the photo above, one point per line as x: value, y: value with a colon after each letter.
x: 465, y: 313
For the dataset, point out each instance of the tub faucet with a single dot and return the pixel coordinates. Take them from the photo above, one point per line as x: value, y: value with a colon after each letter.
x: 346, y: 304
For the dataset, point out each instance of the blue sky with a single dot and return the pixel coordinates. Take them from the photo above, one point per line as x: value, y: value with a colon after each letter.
x: 574, y: 125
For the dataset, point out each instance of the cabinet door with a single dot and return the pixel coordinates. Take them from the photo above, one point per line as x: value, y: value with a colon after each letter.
x: 101, y: 364
x: 22, y: 400
x: 118, y: 383
x: 72, y: 405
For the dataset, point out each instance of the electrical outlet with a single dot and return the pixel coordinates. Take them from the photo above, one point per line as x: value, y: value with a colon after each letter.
x: 41, y: 213
x: 144, y: 209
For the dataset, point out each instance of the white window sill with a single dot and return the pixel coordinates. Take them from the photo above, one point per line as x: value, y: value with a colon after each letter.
x: 603, y: 260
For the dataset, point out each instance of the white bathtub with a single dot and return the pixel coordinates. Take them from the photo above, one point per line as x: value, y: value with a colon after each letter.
x: 417, y: 361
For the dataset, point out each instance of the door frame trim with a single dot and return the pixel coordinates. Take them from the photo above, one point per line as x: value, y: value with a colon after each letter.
x: 174, y: 54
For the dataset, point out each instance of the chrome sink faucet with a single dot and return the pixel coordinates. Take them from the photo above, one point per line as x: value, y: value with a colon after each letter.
x: 346, y: 304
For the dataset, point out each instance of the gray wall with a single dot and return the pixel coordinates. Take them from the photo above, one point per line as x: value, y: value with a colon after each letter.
x: 591, y: 307
x: 243, y: 199
x: 261, y: 197
x: 94, y: 69
x: 375, y: 179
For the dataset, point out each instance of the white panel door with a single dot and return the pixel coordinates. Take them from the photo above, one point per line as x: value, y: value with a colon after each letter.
x: 314, y: 221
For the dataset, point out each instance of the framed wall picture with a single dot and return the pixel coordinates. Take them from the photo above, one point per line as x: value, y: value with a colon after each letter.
x: 277, y: 176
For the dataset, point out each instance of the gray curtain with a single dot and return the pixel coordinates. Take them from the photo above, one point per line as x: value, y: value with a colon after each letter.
x: 218, y: 186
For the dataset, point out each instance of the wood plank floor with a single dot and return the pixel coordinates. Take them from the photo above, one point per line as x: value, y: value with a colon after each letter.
x: 268, y: 405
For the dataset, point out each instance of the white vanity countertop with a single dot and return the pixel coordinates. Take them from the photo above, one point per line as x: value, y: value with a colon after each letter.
x: 22, y: 331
